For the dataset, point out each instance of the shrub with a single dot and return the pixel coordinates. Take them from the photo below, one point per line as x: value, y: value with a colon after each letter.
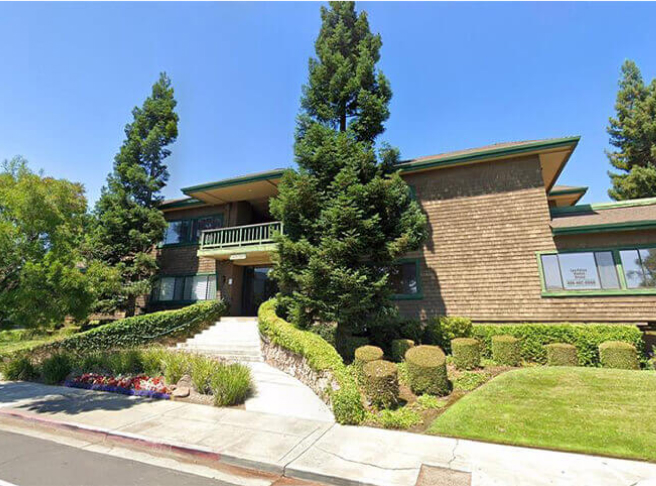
x: 346, y: 344
x: 231, y: 384
x: 561, y: 354
x: 321, y: 356
x: 176, y: 365
x: 124, y: 362
x: 139, y: 330
x: 466, y: 353
x: 506, y: 350
x: 56, y: 368
x: 153, y: 360
x: 427, y: 370
x: 20, y: 368
x: 381, y: 383
x: 441, y: 330
x: 402, y: 418
x: 400, y: 347
x: 412, y: 329
x: 618, y: 354
x: 364, y: 355
x: 202, y: 370
x: 586, y: 338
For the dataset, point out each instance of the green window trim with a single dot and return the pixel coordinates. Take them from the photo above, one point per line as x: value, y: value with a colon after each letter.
x: 183, y: 301
x: 420, y: 294
x: 623, y: 291
x: 191, y: 225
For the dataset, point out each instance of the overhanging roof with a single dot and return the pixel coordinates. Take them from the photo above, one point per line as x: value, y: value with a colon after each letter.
x: 553, y: 153
x: 252, y: 186
x: 562, y: 196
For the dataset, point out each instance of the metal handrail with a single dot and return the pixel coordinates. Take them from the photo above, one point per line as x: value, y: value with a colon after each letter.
x: 239, y: 236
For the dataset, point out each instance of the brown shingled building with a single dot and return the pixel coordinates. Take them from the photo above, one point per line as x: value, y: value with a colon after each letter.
x: 506, y: 243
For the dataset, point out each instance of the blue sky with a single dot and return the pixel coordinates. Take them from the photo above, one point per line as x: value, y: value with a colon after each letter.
x: 463, y: 75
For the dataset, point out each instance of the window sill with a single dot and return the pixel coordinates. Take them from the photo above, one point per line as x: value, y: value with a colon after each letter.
x: 407, y: 297
x: 178, y: 245
x: 599, y: 293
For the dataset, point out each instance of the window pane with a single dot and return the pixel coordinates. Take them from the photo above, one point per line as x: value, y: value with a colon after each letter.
x: 202, y: 224
x: 172, y: 233
x: 633, y: 272
x: 607, y: 270
x: 188, y: 288
x: 579, y: 271
x: 179, y: 288
x: 551, y: 272
x: 403, y: 279
x: 166, y: 288
x: 648, y: 258
x: 211, y: 287
x: 199, y: 289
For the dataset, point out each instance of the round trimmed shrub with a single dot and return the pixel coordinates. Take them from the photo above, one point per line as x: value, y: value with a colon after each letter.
x: 427, y: 370
x: 506, y: 350
x: 400, y: 347
x: 381, y: 383
x: 365, y: 354
x: 619, y: 355
x: 561, y: 354
x: 466, y: 353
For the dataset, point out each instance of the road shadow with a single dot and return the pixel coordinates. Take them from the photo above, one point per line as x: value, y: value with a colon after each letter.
x: 37, y: 398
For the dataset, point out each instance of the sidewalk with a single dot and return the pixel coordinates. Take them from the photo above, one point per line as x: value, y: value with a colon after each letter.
x: 308, y: 449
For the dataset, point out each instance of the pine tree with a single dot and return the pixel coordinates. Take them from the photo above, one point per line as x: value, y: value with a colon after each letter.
x: 633, y: 133
x: 347, y: 213
x: 128, y: 222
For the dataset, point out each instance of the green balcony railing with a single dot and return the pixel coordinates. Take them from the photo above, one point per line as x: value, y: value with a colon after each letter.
x: 240, y: 236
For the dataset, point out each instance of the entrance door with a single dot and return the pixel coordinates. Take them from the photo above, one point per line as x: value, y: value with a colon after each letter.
x: 258, y: 288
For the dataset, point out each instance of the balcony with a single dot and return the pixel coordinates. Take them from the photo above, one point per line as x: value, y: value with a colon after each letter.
x: 245, y: 245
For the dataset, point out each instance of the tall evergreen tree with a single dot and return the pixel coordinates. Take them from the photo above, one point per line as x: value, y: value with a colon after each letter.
x: 633, y: 133
x: 347, y: 213
x: 128, y: 222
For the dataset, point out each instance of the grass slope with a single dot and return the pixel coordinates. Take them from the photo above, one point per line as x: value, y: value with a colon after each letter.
x: 590, y: 410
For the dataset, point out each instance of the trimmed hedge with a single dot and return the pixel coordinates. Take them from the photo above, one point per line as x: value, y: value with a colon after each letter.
x: 365, y: 354
x: 561, y: 354
x: 506, y: 350
x: 321, y: 356
x: 619, y: 355
x: 586, y: 338
x: 346, y: 344
x: 427, y: 370
x: 399, y: 348
x: 466, y: 353
x: 139, y: 330
x: 441, y: 330
x: 381, y: 383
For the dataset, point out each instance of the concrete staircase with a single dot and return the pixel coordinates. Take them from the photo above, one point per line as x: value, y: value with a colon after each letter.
x: 232, y: 338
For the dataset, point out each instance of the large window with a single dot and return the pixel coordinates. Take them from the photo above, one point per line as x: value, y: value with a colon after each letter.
x: 404, y: 279
x: 603, y: 270
x: 639, y: 268
x: 189, y: 230
x: 185, y: 289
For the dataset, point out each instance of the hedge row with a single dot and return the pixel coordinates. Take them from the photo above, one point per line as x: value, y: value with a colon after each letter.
x: 586, y: 338
x: 139, y: 330
x: 321, y: 356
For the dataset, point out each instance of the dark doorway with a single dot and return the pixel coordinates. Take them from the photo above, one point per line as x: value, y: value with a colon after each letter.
x: 258, y: 288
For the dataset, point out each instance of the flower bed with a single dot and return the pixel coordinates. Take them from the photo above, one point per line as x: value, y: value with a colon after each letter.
x: 139, y: 385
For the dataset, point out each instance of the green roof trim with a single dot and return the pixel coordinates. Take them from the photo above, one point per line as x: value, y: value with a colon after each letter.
x: 588, y: 208
x: 235, y: 181
x: 183, y: 203
x: 570, y: 190
x: 599, y: 228
x: 447, y: 160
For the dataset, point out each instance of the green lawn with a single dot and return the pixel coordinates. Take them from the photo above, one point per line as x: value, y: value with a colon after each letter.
x: 591, y: 410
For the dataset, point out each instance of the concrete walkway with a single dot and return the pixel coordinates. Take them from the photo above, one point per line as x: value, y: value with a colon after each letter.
x: 309, y: 449
x: 238, y: 339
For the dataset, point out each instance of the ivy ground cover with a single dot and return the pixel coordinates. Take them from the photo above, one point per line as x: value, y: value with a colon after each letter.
x: 589, y: 410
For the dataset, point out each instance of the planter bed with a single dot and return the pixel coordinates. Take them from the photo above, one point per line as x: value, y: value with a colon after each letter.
x: 141, y: 385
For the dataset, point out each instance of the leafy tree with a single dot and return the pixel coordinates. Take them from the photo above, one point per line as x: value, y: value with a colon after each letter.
x: 128, y: 222
x: 43, y: 277
x: 633, y: 133
x: 347, y: 213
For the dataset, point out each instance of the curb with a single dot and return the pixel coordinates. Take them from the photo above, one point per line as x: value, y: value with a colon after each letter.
x: 196, y: 453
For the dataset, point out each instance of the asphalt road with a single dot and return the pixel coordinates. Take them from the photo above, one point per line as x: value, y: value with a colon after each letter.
x: 26, y: 461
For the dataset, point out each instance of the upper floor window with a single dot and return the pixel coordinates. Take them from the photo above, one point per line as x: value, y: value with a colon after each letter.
x: 639, y: 268
x: 189, y: 230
